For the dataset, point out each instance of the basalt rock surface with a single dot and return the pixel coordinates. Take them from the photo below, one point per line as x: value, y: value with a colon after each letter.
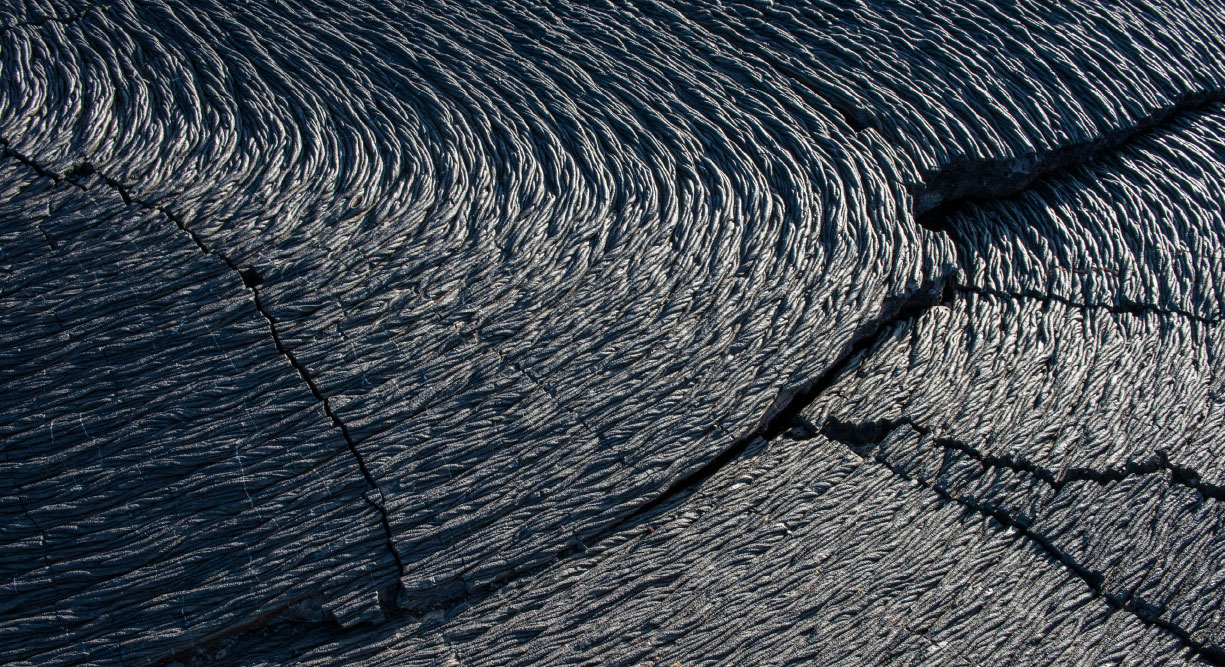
x: 612, y: 332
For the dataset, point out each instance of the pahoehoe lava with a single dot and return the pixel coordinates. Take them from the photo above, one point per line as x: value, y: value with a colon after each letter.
x: 652, y: 332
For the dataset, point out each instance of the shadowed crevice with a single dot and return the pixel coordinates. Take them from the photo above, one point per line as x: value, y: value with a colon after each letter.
x: 776, y: 420
x: 870, y: 433
x: 860, y: 439
x: 945, y: 191
x: 780, y: 416
x: 1125, y: 307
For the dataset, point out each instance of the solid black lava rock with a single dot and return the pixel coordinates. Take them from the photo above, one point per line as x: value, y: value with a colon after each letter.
x: 611, y: 332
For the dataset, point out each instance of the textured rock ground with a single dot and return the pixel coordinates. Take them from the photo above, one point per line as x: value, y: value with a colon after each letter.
x: 429, y: 333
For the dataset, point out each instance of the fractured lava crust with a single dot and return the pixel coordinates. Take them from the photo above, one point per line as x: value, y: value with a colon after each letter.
x: 419, y: 333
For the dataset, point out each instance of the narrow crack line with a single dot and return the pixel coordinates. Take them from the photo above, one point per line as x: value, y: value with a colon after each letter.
x: 251, y: 281
x: 947, y: 189
x: 869, y: 433
x: 1091, y: 578
x: 379, y: 505
x: 776, y: 421
x: 788, y: 406
x: 1158, y: 463
x: 1126, y: 307
x: 541, y: 386
x: 783, y: 412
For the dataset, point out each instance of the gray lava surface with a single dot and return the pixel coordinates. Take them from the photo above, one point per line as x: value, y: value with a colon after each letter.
x: 676, y: 332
